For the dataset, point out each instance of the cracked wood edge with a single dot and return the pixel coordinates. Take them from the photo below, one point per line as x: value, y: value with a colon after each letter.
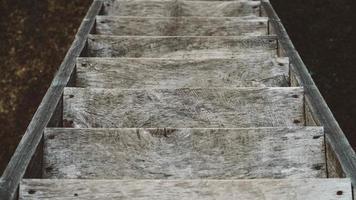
x: 184, y: 108
x: 179, y: 153
x: 247, y: 71
x: 181, y: 26
x: 185, y: 153
x: 294, y: 189
x: 180, y: 46
x: 173, y: 8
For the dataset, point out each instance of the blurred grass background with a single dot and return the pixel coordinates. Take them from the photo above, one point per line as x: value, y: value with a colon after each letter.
x: 34, y: 38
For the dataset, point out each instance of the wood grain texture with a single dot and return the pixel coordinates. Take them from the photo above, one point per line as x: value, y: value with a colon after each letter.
x: 177, y: 8
x: 302, y: 189
x: 182, y: 26
x: 179, y: 46
x: 183, y: 108
x: 184, y: 153
x: 334, y: 167
x: 247, y: 71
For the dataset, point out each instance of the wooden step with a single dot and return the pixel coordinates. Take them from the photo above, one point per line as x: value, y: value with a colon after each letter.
x: 183, y: 108
x: 302, y: 189
x: 179, y: 46
x: 184, y: 153
x: 181, y: 26
x: 132, y: 73
x: 178, y: 8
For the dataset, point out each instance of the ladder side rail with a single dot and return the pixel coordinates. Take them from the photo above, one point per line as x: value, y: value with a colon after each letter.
x: 26, y: 149
x: 339, y: 151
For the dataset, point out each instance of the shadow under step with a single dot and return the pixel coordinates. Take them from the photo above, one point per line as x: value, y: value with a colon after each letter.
x: 174, y: 8
x: 180, y: 46
x: 182, y: 26
x: 302, y: 189
x: 134, y: 73
x: 184, y: 153
x: 183, y: 108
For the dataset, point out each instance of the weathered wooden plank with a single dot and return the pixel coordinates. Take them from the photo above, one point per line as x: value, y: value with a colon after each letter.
x: 183, y: 108
x: 179, y: 46
x: 178, y: 8
x: 178, y: 73
x: 298, y: 189
x: 182, y: 26
x: 184, y: 153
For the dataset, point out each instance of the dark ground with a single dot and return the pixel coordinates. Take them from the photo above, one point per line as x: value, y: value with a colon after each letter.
x: 323, y: 32
x: 35, y: 35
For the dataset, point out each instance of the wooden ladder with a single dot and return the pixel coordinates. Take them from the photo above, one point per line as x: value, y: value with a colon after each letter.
x: 184, y: 100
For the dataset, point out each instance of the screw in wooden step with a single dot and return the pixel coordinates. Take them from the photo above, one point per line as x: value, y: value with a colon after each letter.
x: 51, y: 137
x: 317, y: 166
x: 49, y: 169
x: 67, y: 123
x: 31, y: 191
x: 339, y: 193
x: 316, y: 137
x: 296, y: 121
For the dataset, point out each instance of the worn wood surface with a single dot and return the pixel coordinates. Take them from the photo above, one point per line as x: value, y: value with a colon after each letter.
x: 177, y: 73
x: 181, y: 26
x: 177, y: 8
x: 184, y: 153
x: 183, y: 108
x: 334, y: 167
x: 338, y: 142
x: 298, y: 189
x: 179, y: 46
